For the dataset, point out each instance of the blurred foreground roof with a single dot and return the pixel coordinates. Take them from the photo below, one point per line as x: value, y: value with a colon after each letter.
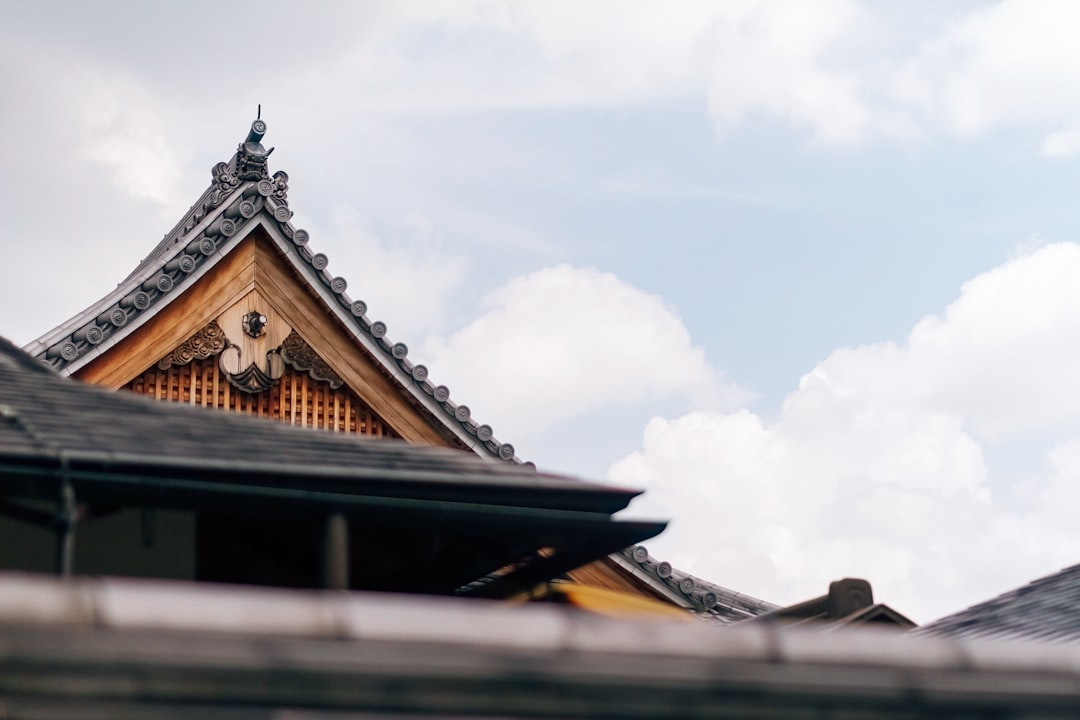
x: 137, y: 649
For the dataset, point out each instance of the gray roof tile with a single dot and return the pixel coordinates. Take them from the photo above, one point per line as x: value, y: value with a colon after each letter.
x: 1045, y: 609
x: 714, y: 602
x: 235, y: 201
x: 46, y: 420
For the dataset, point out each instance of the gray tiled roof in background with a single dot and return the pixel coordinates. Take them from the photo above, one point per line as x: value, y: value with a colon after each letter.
x: 705, y: 599
x: 1044, y: 609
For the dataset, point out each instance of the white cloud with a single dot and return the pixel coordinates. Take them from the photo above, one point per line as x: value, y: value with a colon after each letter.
x: 1064, y: 143
x: 1011, y: 63
x: 847, y: 70
x: 123, y: 130
x: 771, y: 58
x: 564, y: 341
x: 877, y: 465
x: 404, y: 275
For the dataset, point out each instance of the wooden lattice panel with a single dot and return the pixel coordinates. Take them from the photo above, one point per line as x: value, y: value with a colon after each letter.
x: 296, y: 398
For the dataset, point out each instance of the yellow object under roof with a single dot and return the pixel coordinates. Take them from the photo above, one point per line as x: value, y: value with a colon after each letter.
x: 612, y: 603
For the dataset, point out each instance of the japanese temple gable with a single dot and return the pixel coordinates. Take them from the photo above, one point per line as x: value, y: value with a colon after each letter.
x: 234, y: 310
x: 315, y: 357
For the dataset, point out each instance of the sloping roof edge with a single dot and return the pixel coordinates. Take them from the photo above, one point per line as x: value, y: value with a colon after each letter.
x: 685, y: 590
x: 1046, y: 609
x: 225, y: 213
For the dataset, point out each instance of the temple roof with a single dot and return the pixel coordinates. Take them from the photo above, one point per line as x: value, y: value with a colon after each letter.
x: 705, y: 599
x: 122, y: 449
x: 1045, y: 609
x: 242, y: 196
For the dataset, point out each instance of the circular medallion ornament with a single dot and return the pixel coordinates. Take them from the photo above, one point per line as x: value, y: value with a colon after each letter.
x: 641, y: 554
x: 254, y: 323
x: 442, y: 393
x: 461, y: 414
x: 301, y: 237
x: 140, y: 300
x: 203, y: 245
x: 400, y: 350
x: 378, y: 329
x: 358, y: 308
x: 319, y: 261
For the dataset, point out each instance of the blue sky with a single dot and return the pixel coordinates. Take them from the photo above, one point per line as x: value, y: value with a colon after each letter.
x: 804, y: 270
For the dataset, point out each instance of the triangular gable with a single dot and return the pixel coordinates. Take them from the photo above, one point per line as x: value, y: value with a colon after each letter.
x: 235, y: 244
x: 235, y: 252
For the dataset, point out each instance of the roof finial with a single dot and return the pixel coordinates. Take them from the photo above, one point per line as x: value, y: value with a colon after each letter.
x: 258, y: 115
x: 251, y: 156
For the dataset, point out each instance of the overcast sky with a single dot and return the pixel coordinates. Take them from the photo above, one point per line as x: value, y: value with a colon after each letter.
x: 807, y: 272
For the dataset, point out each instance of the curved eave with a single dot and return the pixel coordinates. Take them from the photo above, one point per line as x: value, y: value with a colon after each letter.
x: 86, y: 336
x: 685, y: 590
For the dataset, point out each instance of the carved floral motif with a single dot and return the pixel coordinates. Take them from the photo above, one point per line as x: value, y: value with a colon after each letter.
x: 207, y: 342
x: 301, y: 356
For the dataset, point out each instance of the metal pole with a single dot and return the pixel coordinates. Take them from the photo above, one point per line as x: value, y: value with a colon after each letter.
x: 65, y: 534
x: 336, y: 553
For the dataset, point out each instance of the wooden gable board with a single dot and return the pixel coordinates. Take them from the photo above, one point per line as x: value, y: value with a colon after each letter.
x: 156, y: 309
x: 255, y: 275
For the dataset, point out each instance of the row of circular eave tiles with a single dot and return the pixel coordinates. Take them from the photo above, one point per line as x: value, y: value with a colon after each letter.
x: 664, y: 570
x: 397, y: 351
x: 162, y: 282
x: 206, y: 245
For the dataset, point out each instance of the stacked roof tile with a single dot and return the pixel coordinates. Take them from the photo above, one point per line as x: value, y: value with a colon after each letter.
x: 1044, y: 609
x: 237, y: 200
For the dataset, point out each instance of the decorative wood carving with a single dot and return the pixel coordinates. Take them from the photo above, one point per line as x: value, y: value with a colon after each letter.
x: 295, y: 398
x: 206, y: 343
x: 252, y: 379
x: 301, y: 356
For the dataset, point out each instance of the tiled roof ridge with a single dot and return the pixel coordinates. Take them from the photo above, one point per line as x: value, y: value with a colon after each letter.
x: 242, y: 191
x: 1000, y: 615
x: 701, y: 595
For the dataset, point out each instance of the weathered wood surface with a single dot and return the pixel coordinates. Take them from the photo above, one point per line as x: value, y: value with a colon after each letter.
x: 253, y: 276
x: 279, y: 284
x: 296, y: 398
